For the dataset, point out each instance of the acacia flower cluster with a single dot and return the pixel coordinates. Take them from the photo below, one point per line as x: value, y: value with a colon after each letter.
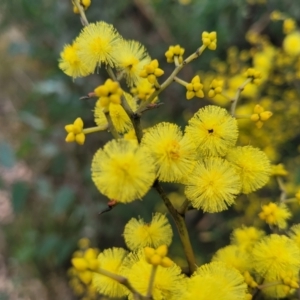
x: 206, y: 156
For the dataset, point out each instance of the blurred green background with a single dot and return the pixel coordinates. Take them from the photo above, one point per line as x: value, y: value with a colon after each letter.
x: 47, y: 198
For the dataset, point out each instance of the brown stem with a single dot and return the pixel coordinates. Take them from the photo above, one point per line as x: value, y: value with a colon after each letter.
x: 181, y: 228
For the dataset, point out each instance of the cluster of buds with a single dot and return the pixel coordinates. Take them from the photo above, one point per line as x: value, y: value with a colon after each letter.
x: 143, y: 90
x: 109, y: 92
x: 289, y: 280
x: 158, y: 257
x: 209, y: 39
x: 273, y: 213
x: 84, y: 264
x: 85, y: 4
x: 215, y: 88
x: 152, y: 71
x: 194, y: 88
x: 279, y: 170
x: 175, y: 53
x: 75, y: 132
x: 260, y: 116
x: 254, y: 75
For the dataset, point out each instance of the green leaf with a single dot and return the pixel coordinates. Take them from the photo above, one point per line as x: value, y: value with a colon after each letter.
x: 48, y: 246
x: 7, y: 155
x: 63, y: 199
x: 20, y: 192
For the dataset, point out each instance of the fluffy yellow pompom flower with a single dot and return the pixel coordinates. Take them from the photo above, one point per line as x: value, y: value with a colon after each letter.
x: 168, y: 282
x: 138, y: 234
x: 96, y: 43
x: 235, y: 257
x: 214, y: 131
x: 252, y: 165
x: 216, y: 281
x: 246, y: 237
x: 131, y: 57
x: 123, y: 171
x: 274, y: 214
x: 275, y: 254
x: 110, y: 260
x: 174, y: 154
x: 213, y: 185
x: 70, y: 63
x: 291, y: 43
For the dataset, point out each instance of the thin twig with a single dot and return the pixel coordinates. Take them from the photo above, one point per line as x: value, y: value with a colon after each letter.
x: 111, y: 126
x: 84, y: 20
x: 281, y: 188
x: 237, y: 95
x: 170, y: 79
x: 151, y: 281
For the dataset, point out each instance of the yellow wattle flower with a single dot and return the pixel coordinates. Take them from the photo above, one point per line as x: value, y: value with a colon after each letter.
x: 131, y: 57
x: 110, y: 260
x: 96, y: 43
x: 71, y: 64
x: 213, y: 130
x: 173, y: 153
x: 123, y: 171
x: 138, y: 234
x: 275, y: 254
x: 213, y: 185
x: 252, y: 165
x: 216, y: 280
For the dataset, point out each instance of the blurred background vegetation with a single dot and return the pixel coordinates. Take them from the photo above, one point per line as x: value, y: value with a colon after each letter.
x: 47, y: 198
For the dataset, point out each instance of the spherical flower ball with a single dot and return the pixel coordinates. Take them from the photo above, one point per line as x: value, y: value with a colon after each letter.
x: 123, y: 171
x: 138, y: 234
x: 216, y: 281
x: 169, y: 283
x: 131, y: 57
x: 252, y: 165
x: 70, y: 63
x: 174, y: 153
x: 246, y: 237
x: 96, y: 43
x: 235, y: 257
x: 291, y: 43
x: 274, y: 255
x: 213, y: 185
x: 110, y: 260
x: 213, y: 130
